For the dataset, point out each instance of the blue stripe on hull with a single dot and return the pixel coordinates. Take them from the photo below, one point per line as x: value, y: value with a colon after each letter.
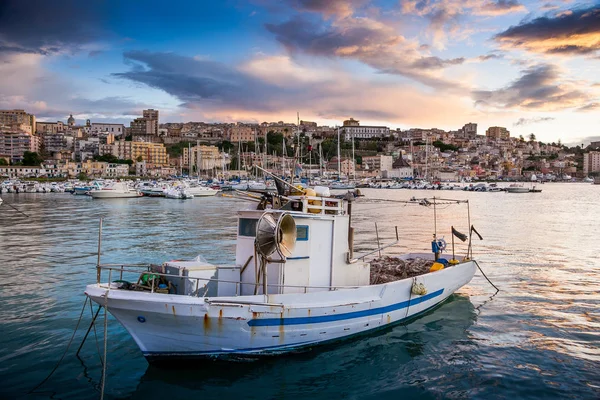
x: 341, y: 317
x: 273, y: 350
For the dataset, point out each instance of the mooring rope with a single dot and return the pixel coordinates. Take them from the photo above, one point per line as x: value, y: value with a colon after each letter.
x: 65, y: 352
x: 485, y: 276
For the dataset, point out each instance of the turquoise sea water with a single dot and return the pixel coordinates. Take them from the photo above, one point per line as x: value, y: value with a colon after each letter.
x: 537, y: 338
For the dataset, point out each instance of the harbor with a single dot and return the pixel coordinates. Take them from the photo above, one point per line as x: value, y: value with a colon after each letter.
x: 537, y: 321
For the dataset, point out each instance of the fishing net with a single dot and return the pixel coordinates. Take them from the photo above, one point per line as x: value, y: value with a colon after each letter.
x: 389, y: 269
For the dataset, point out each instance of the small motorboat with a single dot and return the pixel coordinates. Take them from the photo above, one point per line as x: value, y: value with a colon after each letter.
x: 177, y: 192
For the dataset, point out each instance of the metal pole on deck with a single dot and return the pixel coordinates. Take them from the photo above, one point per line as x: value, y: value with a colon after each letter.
x: 378, y: 245
x: 99, y: 250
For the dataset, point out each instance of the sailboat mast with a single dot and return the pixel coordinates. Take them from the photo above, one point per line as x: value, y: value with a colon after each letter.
x: 320, y: 160
x: 426, y: 155
x: 189, y: 159
x: 198, y: 159
x: 353, y: 158
x: 338, y: 156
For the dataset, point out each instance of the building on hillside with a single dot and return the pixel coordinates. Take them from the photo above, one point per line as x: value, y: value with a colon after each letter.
x: 241, y: 133
x: 347, y: 167
x: 96, y: 129
x: 591, y: 162
x: 353, y: 130
x: 50, y: 127
x: 377, y: 163
x: 54, y: 142
x: 400, y: 169
x: 308, y: 124
x: 152, y: 153
x: 18, y: 117
x: 17, y: 171
x: 147, y: 126
x: 116, y: 170
x: 497, y: 132
x: 13, y: 145
x: 203, y: 158
x: 469, y: 130
x: 351, y: 122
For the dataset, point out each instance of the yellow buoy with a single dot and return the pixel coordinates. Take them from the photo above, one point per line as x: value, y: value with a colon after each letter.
x: 453, y: 262
x: 311, y: 192
x: 436, y: 267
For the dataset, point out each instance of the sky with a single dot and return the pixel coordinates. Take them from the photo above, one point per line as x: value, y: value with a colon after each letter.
x: 530, y: 66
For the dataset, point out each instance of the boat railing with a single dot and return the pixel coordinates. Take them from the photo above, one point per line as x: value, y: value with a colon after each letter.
x: 320, y: 205
x: 119, y: 270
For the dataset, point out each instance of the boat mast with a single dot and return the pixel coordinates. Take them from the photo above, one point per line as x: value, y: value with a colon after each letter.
x: 299, y: 146
x: 198, y: 161
x: 338, y: 156
x: 426, y: 155
x: 189, y: 159
x: 353, y: 158
x: 320, y: 161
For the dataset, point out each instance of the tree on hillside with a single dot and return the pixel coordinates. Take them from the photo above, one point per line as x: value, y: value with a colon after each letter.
x: 32, y: 158
x: 532, y: 137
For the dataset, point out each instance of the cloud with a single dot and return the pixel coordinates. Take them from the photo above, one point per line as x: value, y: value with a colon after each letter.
x: 576, y: 32
x: 529, y: 121
x: 539, y: 88
x: 269, y: 87
x: 486, y: 57
x: 447, y: 18
x: 589, y: 107
x: 329, y: 8
x: 46, y: 27
x: 499, y: 7
x: 369, y: 41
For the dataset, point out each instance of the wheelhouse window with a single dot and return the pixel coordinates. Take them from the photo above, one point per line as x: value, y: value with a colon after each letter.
x: 247, y: 227
x: 302, y: 232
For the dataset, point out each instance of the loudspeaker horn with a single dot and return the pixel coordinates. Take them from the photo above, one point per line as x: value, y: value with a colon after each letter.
x: 275, y: 232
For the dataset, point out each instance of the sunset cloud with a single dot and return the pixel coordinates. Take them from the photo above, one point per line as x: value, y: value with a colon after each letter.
x: 540, y: 88
x: 213, y: 90
x: 369, y: 41
x: 575, y: 32
x: 447, y: 17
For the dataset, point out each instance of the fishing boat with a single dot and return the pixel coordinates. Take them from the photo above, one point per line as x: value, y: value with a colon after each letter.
x: 296, y: 283
x: 118, y: 190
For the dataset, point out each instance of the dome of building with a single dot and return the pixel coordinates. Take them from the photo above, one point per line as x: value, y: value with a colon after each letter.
x: 71, y: 120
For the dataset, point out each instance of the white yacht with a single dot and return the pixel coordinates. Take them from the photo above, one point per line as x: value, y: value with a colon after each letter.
x: 118, y: 190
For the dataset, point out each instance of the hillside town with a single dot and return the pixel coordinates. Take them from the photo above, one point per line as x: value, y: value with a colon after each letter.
x: 148, y: 148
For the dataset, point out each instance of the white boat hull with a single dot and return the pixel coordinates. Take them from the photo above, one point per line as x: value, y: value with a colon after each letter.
x: 173, y: 326
x: 108, y: 194
x: 517, y: 190
x: 201, y: 191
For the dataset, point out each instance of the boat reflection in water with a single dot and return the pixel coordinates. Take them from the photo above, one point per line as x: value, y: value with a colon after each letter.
x: 404, y: 358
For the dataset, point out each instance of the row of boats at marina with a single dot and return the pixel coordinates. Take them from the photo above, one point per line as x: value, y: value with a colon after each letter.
x: 187, y: 188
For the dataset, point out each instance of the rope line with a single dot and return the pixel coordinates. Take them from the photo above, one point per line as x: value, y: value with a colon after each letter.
x: 105, y: 344
x: 65, y: 352
x: 485, y: 276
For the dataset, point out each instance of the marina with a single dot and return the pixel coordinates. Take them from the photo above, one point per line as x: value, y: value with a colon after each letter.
x: 468, y: 337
